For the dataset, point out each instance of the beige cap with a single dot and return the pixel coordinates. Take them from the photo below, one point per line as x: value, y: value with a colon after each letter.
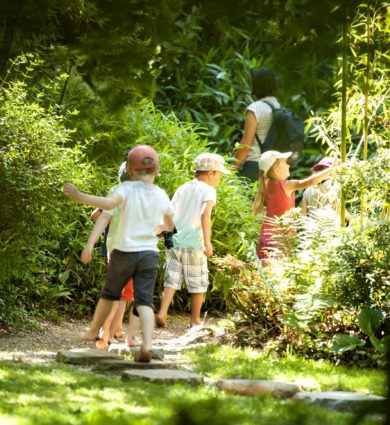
x: 267, y: 159
x: 210, y: 162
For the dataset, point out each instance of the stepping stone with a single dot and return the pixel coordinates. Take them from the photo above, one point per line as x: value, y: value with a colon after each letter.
x: 343, y: 400
x: 85, y: 356
x: 123, y: 349
x: 109, y: 365
x: 258, y: 386
x: 163, y: 376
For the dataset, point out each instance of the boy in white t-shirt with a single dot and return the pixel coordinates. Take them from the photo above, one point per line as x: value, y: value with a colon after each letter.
x: 134, y: 251
x: 187, y: 260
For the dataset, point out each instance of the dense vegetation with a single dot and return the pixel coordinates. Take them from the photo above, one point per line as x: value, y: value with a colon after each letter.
x: 85, y: 81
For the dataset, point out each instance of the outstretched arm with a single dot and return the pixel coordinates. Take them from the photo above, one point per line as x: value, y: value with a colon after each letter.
x: 109, y: 203
x: 206, y: 227
x: 293, y: 185
x: 250, y: 129
x: 99, y: 227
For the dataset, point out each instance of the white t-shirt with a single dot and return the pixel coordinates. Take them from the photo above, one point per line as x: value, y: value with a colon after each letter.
x: 263, y: 115
x: 323, y: 195
x: 141, y: 212
x: 115, y: 213
x: 188, y: 203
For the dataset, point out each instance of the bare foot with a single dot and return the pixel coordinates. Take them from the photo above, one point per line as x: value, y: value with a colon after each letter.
x: 101, y: 344
x: 88, y: 337
x: 160, y: 322
x: 133, y: 343
x: 113, y: 341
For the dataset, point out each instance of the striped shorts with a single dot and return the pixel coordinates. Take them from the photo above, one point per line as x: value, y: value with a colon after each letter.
x: 189, y: 265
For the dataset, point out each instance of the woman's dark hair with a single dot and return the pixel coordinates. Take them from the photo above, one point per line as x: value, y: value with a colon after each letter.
x: 263, y: 83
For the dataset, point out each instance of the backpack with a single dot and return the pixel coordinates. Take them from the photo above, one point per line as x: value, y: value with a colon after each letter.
x: 285, y: 134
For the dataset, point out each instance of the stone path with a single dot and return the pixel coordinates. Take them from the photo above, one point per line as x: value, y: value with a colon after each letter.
x: 168, y: 367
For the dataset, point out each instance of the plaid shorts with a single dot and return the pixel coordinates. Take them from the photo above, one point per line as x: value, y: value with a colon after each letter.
x: 189, y: 265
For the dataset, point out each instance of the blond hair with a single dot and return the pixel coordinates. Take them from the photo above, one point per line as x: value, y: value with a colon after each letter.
x: 258, y: 204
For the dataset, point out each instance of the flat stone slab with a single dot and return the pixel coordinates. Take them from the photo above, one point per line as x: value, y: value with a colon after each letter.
x: 123, y: 349
x: 111, y: 365
x: 163, y: 376
x: 253, y: 387
x: 342, y: 400
x: 85, y: 356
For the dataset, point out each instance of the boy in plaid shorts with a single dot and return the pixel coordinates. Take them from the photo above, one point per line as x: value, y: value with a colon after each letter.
x: 187, y: 260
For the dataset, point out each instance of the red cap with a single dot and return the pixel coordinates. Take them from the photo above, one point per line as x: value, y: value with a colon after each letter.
x: 142, y: 157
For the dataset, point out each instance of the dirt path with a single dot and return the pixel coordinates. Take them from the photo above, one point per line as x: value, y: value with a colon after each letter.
x: 38, y: 345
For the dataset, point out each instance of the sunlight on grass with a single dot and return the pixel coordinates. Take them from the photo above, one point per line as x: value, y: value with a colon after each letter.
x: 230, y: 362
x: 90, y: 399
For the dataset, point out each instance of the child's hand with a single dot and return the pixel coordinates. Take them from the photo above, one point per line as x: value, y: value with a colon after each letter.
x: 208, y: 249
x: 86, y: 255
x: 71, y: 191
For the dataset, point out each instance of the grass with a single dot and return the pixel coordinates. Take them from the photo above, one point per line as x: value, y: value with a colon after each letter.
x: 64, y: 395
x: 219, y: 361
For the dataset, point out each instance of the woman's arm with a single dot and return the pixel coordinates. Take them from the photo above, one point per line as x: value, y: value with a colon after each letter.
x: 246, y: 142
x: 109, y: 203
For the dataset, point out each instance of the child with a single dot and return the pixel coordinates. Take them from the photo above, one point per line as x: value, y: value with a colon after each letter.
x: 277, y: 193
x: 325, y: 195
x: 134, y: 250
x: 192, y: 203
x: 107, y: 222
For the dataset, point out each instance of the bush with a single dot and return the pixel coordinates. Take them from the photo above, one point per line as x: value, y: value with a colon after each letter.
x: 37, y: 156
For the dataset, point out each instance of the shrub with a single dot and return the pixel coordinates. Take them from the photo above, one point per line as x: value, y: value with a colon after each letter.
x: 35, y: 160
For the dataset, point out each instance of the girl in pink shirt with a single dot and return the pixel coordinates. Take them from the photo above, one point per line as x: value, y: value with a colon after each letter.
x: 277, y: 194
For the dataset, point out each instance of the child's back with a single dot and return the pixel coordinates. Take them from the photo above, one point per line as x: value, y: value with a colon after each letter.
x: 187, y: 260
x: 188, y: 202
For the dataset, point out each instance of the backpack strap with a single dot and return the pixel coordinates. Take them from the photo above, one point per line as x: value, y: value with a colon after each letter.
x: 273, y: 109
x: 269, y: 104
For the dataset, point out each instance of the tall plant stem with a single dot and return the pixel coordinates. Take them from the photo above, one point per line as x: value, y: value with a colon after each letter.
x: 344, y: 105
x: 366, y: 120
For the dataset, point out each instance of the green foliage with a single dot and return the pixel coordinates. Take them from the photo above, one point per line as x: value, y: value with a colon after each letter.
x: 35, y: 160
x: 357, y: 272
x: 360, y: 178
x: 370, y: 321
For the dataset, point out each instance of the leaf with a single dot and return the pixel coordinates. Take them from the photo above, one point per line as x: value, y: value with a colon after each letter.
x: 369, y: 320
x: 343, y: 342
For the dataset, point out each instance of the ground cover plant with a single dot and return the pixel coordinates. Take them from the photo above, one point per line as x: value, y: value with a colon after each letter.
x: 62, y: 395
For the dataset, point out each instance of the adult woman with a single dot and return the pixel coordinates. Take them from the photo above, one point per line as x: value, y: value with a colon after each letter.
x: 257, y: 122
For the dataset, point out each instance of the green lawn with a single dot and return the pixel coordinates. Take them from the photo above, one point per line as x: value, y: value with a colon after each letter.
x: 61, y: 394
x: 225, y: 361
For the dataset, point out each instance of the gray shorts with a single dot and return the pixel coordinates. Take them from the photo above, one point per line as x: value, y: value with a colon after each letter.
x: 142, y: 266
x: 189, y: 265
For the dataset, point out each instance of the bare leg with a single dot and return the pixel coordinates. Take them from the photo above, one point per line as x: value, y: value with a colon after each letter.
x: 196, y: 305
x: 103, y: 342
x: 116, y: 325
x: 166, y: 300
x: 102, y: 311
x: 134, y: 322
x: 146, y: 316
